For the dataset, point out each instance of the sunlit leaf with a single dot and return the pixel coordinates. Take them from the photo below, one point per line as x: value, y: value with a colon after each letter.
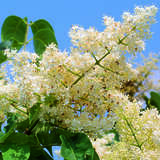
x: 43, y: 35
x: 14, y: 29
x: 15, y: 152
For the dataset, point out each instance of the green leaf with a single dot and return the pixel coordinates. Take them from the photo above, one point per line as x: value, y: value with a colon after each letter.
x: 11, y: 118
x: 14, y: 29
x: 41, y: 24
x: 22, y: 126
x: 51, y: 138
x: 12, y: 122
x: 42, y: 39
x: 4, y: 136
x: 34, y: 113
x: 37, y: 151
x: 18, y: 138
x: 3, y: 57
x: 5, y: 45
x: 155, y: 100
x: 147, y: 100
x: 1, y: 158
x: 33, y: 120
x: 15, y: 152
x: 77, y: 147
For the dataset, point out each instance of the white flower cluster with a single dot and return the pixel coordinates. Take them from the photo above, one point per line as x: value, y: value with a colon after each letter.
x: 139, y: 135
x: 78, y: 89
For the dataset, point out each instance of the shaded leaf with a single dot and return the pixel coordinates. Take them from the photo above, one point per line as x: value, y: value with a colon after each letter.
x: 3, y: 57
x: 18, y: 138
x: 11, y: 118
x: 39, y: 154
x: 22, y: 126
x: 5, y: 45
x: 14, y: 29
x: 34, y: 113
x: 77, y: 147
x: 1, y: 158
x: 155, y: 100
x: 37, y: 151
x: 4, y: 136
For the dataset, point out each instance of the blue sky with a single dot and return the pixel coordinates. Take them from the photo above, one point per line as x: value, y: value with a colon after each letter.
x: 62, y: 14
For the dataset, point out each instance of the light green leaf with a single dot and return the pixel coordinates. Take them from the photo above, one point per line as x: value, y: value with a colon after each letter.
x: 15, y: 152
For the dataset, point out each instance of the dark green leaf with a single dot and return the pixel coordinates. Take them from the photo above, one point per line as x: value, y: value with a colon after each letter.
x: 40, y: 24
x: 36, y: 150
x: 155, y: 100
x: 22, y: 126
x: 12, y: 122
x: 15, y: 152
x: 42, y: 39
x: 18, y: 138
x: 3, y: 57
x: 49, y: 138
x: 11, y: 118
x: 34, y: 113
x: 147, y: 100
x: 14, y: 29
x: 1, y: 158
x: 77, y: 147
x: 5, y: 45
x: 4, y: 136
x: 37, y: 153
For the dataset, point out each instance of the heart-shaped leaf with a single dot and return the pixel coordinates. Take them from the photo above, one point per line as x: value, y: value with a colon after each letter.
x: 41, y: 24
x: 42, y: 39
x: 43, y: 35
x: 14, y: 29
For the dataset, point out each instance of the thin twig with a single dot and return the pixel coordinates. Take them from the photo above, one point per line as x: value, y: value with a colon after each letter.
x: 134, y: 135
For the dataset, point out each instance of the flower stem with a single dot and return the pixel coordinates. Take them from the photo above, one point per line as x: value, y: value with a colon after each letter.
x: 26, y: 35
x: 134, y: 135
